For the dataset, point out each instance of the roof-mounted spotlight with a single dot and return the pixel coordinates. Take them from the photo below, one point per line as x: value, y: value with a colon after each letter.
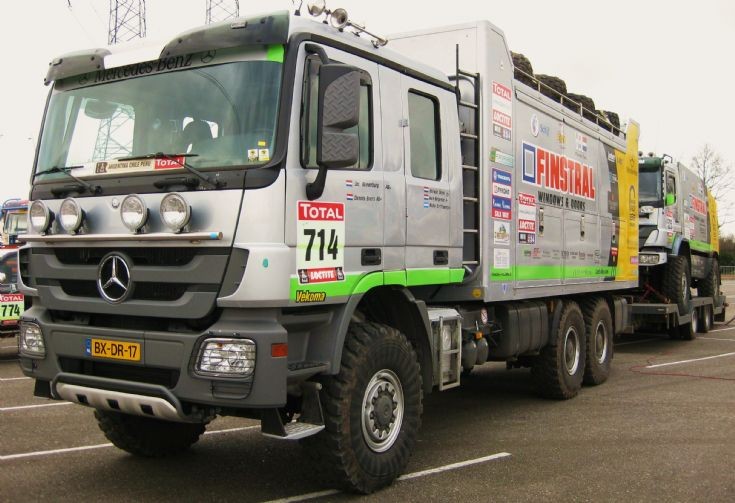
x: 340, y: 20
x: 316, y: 7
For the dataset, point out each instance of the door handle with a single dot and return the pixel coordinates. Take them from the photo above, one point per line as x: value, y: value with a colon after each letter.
x: 581, y: 227
x: 541, y: 221
x: 441, y: 257
x: 371, y: 256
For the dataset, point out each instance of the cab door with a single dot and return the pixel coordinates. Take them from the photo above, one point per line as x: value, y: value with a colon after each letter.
x: 427, y: 179
x: 338, y: 238
x: 672, y: 205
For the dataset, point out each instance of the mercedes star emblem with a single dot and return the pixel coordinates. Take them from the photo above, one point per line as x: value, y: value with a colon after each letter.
x: 113, y: 278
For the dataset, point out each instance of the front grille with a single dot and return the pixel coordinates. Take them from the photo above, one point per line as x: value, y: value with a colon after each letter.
x: 169, y: 257
x: 142, y: 291
x: 179, y: 283
x: 148, y: 375
x: 24, y: 258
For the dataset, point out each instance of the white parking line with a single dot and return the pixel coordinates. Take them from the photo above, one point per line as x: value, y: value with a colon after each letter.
x: 13, y: 378
x: 688, y: 361
x: 715, y: 339
x: 22, y: 407
x: 231, y: 430
x: 638, y: 342
x: 100, y: 446
x: 722, y: 329
x: 408, y: 476
x: 54, y: 451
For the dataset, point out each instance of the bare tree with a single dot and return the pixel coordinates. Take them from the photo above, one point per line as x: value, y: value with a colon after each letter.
x: 719, y: 179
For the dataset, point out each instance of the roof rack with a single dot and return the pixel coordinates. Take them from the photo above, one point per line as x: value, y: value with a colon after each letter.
x: 578, y: 107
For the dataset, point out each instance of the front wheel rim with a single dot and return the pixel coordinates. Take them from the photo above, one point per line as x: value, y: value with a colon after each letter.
x: 382, y: 410
x: 601, y: 342
x: 684, y: 287
x: 571, y: 351
x: 695, y: 320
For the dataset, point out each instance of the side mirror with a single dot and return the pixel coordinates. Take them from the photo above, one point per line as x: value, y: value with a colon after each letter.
x: 3, y: 277
x: 338, y: 110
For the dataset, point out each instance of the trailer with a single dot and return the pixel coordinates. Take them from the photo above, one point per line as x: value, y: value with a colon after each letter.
x: 315, y: 230
x: 665, y: 318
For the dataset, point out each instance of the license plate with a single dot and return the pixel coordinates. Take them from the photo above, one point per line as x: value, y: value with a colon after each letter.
x: 115, y: 350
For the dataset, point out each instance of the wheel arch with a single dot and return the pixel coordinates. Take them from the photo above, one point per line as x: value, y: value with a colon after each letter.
x: 394, y: 306
x: 681, y: 248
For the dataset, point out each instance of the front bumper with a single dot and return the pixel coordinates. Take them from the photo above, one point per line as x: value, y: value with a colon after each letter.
x: 166, y: 368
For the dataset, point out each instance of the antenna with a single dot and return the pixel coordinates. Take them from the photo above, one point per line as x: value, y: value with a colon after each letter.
x: 221, y: 10
x: 114, y: 136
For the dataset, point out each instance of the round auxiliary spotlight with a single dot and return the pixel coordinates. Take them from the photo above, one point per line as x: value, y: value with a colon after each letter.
x: 40, y: 217
x: 70, y: 215
x: 133, y: 213
x: 316, y: 7
x: 339, y: 18
x: 175, y: 211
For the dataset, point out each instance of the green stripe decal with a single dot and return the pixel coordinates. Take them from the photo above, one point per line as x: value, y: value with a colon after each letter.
x: 551, y: 272
x: 361, y: 283
x: 275, y: 53
x: 419, y: 277
x: 700, y: 246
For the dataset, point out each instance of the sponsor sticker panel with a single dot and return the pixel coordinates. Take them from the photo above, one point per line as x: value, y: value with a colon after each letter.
x: 502, y: 111
x: 320, y: 242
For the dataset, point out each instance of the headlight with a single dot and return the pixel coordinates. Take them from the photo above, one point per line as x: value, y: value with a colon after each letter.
x: 175, y: 212
x: 648, y: 259
x: 31, y: 339
x: 40, y: 217
x: 133, y: 213
x: 70, y: 215
x: 226, y: 358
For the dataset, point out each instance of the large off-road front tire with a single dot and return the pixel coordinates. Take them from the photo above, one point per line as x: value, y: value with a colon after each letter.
x: 147, y: 437
x: 559, y: 368
x: 675, y: 283
x: 372, y: 410
x: 599, y: 341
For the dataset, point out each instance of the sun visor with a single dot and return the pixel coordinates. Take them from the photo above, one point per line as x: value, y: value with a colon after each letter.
x: 76, y: 63
x: 264, y: 30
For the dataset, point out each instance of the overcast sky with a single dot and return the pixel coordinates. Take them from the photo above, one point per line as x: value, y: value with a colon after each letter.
x: 666, y: 63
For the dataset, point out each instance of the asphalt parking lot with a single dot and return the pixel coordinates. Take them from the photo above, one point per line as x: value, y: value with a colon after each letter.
x: 662, y: 428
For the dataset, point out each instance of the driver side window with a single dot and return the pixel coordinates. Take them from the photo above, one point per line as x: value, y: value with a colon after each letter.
x: 309, y: 110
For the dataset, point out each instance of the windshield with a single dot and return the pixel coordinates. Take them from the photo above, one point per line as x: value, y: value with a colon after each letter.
x: 15, y: 223
x: 650, y: 188
x: 223, y: 114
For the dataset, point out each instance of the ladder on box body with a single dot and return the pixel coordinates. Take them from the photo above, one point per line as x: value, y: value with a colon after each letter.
x: 470, y: 146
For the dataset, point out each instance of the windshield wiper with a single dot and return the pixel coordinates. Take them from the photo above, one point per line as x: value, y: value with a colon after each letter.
x: 94, y: 189
x: 215, y: 184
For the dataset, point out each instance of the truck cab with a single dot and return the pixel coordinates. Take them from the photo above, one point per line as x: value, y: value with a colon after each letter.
x: 285, y: 220
x: 679, y: 238
x: 13, y: 223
